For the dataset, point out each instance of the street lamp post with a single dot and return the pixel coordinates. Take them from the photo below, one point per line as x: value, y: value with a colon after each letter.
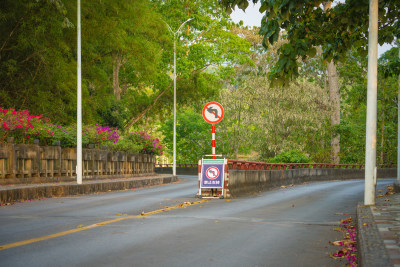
x: 370, y: 147
x: 174, y: 134
x: 79, y: 100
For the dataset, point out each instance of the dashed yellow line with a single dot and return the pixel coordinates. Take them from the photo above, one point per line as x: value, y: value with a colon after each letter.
x: 42, y: 238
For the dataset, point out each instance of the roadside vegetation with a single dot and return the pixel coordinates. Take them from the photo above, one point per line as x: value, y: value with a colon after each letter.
x: 281, y: 103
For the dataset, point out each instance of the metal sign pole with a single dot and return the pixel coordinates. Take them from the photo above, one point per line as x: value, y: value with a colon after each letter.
x: 213, y: 140
x: 79, y: 100
x: 211, y: 171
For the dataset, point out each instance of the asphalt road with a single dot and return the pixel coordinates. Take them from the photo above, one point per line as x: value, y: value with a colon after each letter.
x: 282, y: 227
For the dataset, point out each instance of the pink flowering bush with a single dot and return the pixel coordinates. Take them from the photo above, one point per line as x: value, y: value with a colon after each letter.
x: 25, y: 128
x: 101, y: 134
x: 21, y: 125
x: 149, y: 144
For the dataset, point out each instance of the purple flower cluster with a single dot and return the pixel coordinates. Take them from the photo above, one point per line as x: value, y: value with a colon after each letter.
x: 107, y: 132
x: 150, y: 144
x: 25, y: 127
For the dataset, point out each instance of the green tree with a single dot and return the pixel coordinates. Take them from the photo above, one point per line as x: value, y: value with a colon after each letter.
x: 271, y: 120
x: 123, y: 49
x: 206, y: 49
x: 337, y: 30
x: 352, y: 127
x: 313, y: 24
x: 37, y: 66
x: 193, y: 135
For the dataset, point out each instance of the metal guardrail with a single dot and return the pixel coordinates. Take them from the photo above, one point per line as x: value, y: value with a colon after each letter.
x: 177, y: 165
x: 246, y: 165
x: 252, y: 165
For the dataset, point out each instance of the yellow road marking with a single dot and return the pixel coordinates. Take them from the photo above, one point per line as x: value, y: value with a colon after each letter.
x: 184, y: 205
x: 42, y: 238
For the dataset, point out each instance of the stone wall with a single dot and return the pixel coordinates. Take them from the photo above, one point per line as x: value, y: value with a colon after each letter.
x: 39, y: 164
x: 180, y: 170
x: 247, y: 181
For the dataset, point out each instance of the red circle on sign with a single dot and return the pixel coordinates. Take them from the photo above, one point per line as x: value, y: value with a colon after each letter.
x: 213, y: 112
x: 212, y: 173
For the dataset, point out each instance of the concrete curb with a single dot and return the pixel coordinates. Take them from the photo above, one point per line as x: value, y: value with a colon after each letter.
x: 9, y: 194
x: 242, y: 182
x: 370, y: 246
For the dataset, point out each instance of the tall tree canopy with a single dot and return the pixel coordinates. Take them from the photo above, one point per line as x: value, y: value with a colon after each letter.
x: 127, y: 57
x: 37, y: 63
x: 265, y: 121
x: 122, y: 44
x: 307, y: 26
x: 354, y: 95
x: 205, y: 49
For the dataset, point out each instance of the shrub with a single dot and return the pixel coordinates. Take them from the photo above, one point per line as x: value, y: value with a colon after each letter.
x: 21, y: 124
x: 127, y: 145
x: 101, y: 135
x: 292, y: 156
x: 25, y: 128
x: 149, y: 144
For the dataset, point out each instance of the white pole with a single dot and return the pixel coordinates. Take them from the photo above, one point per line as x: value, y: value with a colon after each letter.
x: 174, y: 130
x: 174, y: 141
x: 370, y: 147
x: 79, y: 103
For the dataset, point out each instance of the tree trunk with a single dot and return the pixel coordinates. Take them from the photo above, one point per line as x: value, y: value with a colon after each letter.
x: 117, y: 63
x: 334, y: 98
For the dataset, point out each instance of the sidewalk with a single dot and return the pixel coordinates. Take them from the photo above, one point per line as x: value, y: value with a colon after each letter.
x: 21, y: 192
x: 379, y: 232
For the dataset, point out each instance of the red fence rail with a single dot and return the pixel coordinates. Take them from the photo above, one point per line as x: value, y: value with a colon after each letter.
x: 252, y: 165
x: 177, y: 165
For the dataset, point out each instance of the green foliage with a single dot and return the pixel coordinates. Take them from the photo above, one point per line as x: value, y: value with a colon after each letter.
x: 148, y: 144
x: 127, y: 58
x: 389, y: 63
x: 193, y: 136
x: 292, y: 156
x: 25, y: 128
x: 126, y: 144
x: 263, y: 121
x: 37, y: 68
x: 68, y: 136
x: 353, y: 110
x: 309, y: 24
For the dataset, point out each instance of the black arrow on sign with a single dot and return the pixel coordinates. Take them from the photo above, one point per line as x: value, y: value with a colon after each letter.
x: 213, y: 111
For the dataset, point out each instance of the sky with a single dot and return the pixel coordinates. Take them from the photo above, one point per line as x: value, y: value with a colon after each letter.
x: 252, y: 17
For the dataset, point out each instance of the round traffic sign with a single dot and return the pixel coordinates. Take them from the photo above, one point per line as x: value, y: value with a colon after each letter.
x: 212, y: 173
x: 213, y: 112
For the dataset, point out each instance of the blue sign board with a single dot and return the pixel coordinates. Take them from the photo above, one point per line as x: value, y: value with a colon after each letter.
x: 212, y: 173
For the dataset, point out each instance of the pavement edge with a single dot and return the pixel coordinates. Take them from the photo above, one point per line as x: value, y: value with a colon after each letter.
x: 370, y: 246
